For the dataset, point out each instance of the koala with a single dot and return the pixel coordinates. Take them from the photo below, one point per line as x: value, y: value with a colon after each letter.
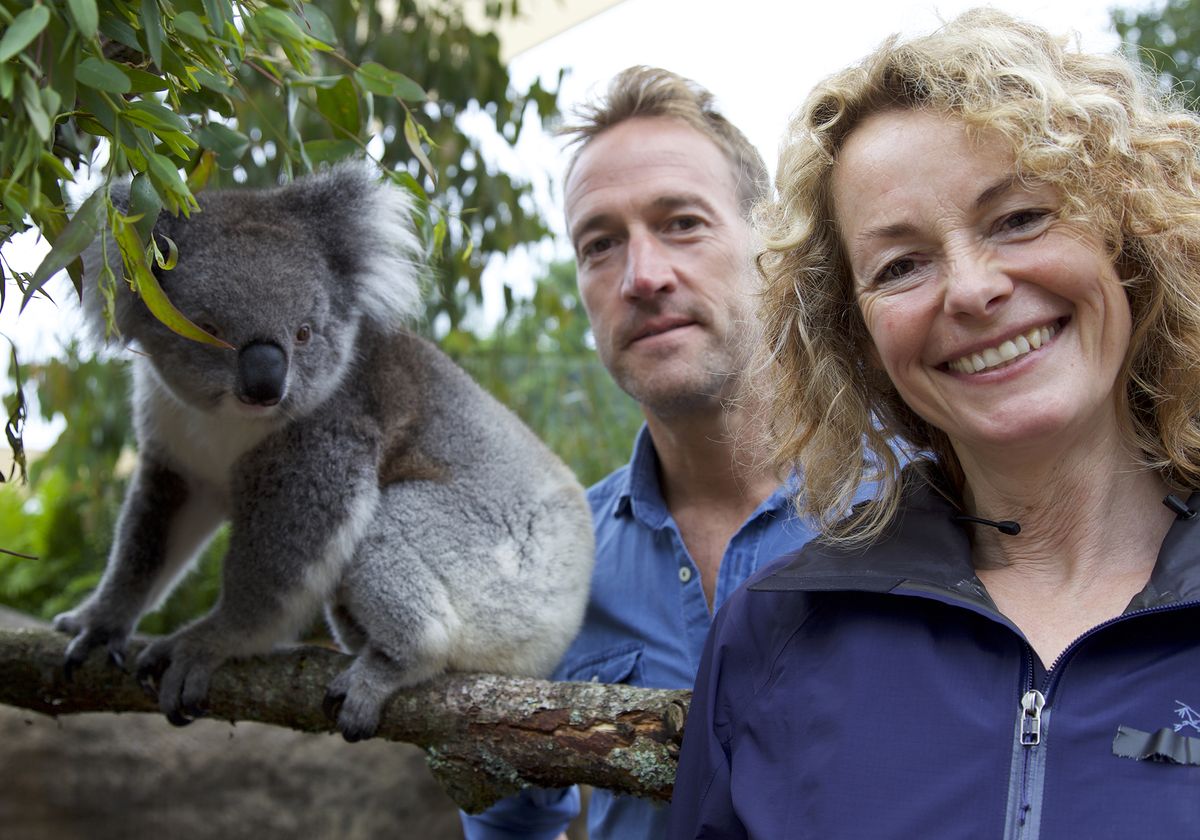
x: 358, y: 467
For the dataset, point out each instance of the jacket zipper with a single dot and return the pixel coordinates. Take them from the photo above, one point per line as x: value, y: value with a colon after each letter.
x: 1025, y: 821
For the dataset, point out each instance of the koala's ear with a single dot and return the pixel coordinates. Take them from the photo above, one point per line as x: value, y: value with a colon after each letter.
x: 367, y: 226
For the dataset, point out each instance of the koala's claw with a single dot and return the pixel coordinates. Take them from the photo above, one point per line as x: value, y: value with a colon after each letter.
x: 87, y: 639
x: 177, y: 674
x: 331, y: 705
x: 356, y: 704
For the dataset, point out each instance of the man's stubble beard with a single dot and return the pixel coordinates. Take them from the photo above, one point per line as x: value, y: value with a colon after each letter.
x: 687, y: 386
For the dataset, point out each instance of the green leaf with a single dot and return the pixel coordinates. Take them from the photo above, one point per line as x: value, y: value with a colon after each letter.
x: 152, y: 26
x: 414, y: 144
x: 171, y: 188
x: 379, y: 79
x: 120, y: 31
x: 85, y: 15
x: 79, y: 233
x: 206, y: 163
x: 228, y: 144
x: 8, y: 77
x: 144, y: 202
x: 149, y: 113
x: 56, y: 165
x: 316, y: 23
x: 339, y: 105
x: 213, y: 82
x: 317, y: 81
x: 219, y: 12
x: 61, y: 73
x: 102, y: 75
x: 25, y: 27
x: 146, y: 285
x: 100, y: 108
x: 142, y: 82
x: 330, y: 151
x: 189, y: 24
x: 31, y: 98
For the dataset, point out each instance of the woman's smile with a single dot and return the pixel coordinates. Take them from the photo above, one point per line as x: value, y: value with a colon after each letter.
x: 1007, y: 351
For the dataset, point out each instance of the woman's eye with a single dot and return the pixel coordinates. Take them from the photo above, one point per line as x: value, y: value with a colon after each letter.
x: 896, y: 270
x: 1023, y: 219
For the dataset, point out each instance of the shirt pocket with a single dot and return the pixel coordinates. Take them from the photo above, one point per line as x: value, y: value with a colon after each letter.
x: 615, y: 665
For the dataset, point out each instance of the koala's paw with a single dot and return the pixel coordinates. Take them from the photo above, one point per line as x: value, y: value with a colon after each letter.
x: 355, y: 700
x: 179, y: 668
x: 90, y: 631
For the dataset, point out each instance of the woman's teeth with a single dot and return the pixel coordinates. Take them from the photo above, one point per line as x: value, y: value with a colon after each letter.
x: 994, y: 357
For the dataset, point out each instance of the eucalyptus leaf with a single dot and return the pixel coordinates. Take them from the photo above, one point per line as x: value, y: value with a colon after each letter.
x: 86, y: 16
x: 156, y: 115
x: 206, y: 163
x: 102, y: 75
x: 25, y: 27
x: 153, y: 29
x: 219, y: 13
x: 189, y: 24
x: 228, y: 143
x: 56, y: 165
x: 8, y: 77
x: 330, y: 151
x: 79, y: 233
x: 171, y: 188
x: 339, y: 105
x: 31, y: 99
x: 142, y: 82
x: 316, y: 23
x: 146, y: 285
x: 379, y: 79
x: 145, y: 202
x: 413, y: 139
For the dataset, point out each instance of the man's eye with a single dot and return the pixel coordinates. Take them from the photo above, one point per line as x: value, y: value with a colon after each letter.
x: 683, y: 223
x: 597, y: 246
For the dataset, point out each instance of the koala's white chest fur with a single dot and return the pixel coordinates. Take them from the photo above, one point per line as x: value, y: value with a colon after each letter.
x: 200, y: 445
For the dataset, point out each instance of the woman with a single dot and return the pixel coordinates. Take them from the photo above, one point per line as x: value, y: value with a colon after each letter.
x: 985, y: 249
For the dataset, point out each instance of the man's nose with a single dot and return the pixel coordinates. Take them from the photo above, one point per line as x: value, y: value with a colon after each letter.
x: 648, y: 271
x: 976, y: 284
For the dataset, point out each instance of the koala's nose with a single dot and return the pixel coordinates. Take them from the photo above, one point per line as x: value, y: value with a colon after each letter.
x: 262, y: 373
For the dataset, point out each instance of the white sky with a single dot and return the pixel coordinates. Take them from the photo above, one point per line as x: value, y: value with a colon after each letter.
x: 759, y: 57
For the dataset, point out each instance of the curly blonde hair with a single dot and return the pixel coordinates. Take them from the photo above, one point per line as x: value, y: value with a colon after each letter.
x: 1124, y: 158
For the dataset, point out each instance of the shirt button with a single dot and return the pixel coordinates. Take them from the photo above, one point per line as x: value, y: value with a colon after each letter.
x: 685, y: 574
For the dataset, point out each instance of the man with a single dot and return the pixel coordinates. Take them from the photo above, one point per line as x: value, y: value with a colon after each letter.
x: 657, y: 198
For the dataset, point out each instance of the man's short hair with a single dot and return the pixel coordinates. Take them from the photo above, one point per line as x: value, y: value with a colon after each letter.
x: 653, y: 92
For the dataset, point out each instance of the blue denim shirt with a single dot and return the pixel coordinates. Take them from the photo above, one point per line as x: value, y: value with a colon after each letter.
x: 646, y: 622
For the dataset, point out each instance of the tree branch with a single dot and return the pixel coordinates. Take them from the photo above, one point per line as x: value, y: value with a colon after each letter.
x: 485, y: 736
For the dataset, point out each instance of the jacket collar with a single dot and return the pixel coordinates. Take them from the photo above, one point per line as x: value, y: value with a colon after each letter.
x: 926, y: 550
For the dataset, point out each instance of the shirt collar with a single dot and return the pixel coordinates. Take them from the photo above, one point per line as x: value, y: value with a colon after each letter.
x: 641, y: 494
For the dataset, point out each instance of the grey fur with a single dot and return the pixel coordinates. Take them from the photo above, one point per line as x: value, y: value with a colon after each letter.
x: 371, y: 474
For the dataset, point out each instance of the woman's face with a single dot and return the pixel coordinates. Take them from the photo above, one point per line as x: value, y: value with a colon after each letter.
x: 996, y: 322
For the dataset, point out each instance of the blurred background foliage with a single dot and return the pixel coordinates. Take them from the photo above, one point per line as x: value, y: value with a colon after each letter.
x: 1166, y: 38
x: 298, y: 86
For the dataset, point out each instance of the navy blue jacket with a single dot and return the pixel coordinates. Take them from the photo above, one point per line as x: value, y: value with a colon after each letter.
x: 880, y: 694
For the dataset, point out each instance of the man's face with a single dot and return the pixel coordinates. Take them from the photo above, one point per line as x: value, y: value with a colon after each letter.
x: 663, y: 257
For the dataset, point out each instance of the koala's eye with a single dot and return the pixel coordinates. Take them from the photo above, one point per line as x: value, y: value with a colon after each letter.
x: 303, y: 334
x: 210, y: 328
